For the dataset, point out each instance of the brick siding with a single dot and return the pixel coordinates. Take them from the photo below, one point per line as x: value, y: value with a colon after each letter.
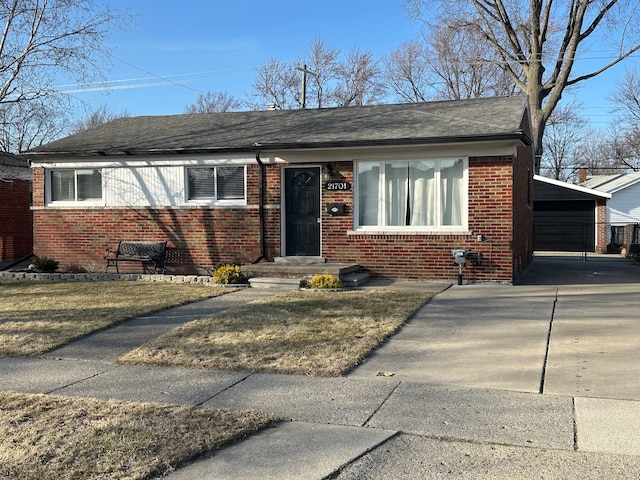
x: 199, y: 236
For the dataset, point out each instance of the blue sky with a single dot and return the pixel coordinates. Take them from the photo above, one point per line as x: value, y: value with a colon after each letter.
x: 177, y: 50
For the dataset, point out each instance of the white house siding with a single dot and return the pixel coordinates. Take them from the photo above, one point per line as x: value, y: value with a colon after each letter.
x: 158, y: 186
x: 624, y: 206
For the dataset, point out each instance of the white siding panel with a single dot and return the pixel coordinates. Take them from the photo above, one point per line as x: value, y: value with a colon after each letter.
x: 144, y: 186
x: 624, y: 206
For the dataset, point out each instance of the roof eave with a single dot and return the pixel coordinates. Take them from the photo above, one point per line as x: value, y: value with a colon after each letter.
x: 570, y: 186
x: 517, y: 136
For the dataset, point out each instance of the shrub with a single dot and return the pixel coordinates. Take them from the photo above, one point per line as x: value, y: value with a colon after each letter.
x: 325, y: 281
x: 44, y: 264
x: 228, y: 274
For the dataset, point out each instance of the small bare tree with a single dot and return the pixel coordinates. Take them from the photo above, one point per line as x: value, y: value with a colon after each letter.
x: 98, y: 117
x: 565, y: 130
x: 26, y: 125
x: 323, y: 63
x: 278, y: 84
x: 407, y: 72
x: 359, y: 80
x: 212, y: 102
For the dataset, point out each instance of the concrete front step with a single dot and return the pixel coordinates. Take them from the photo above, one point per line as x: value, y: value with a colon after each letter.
x: 287, y: 270
x: 270, y: 274
x: 274, y: 282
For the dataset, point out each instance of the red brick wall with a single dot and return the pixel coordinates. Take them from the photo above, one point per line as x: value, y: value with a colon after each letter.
x: 77, y: 238
x: 16, y: 220
x: 421, y: 256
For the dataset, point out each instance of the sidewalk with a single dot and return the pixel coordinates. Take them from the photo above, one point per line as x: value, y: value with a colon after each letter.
x: 463, y: 400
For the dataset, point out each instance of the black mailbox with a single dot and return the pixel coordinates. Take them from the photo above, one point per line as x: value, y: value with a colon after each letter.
x: 336, y: 208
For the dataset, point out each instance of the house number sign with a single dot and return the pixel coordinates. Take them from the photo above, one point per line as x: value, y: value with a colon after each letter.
x: 338, y: 186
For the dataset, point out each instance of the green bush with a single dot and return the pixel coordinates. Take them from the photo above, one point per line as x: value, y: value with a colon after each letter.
x: 228, y: 274
x: 325, y: 281
x: 45, y: 264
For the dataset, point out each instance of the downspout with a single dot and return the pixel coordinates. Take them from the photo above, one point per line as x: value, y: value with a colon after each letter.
x: 263, y: 240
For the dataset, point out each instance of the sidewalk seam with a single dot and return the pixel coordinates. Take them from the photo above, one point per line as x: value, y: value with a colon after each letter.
x: 199, y: 404
x: 57, y: 389
x: 546, y: 352
x: 364, y: 424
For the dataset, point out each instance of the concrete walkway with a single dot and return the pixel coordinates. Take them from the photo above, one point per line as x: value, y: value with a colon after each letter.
x: 486, y: 381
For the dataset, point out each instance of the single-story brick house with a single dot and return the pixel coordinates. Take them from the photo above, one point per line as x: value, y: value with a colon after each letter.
x: 16, y: 218
x: 393, y: 188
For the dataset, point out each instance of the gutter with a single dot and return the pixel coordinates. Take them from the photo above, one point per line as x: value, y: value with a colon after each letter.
x: 263, y: 241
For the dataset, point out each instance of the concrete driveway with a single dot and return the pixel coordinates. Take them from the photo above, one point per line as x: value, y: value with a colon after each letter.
x: 568, y: 327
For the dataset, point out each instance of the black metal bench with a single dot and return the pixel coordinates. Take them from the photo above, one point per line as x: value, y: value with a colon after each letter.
x: 147, y: 253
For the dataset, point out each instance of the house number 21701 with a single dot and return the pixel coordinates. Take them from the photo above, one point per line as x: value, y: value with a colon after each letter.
x: 338, y: 186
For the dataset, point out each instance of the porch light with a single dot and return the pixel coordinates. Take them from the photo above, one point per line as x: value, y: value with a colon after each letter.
x: 327, y: 172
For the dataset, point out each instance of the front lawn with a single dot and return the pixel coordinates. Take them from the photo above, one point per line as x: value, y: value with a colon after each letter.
x: 50, y: 437
x: 36, y: 317
x: 302, y: 332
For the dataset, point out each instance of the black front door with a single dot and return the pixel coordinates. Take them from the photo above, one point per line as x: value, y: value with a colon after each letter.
x: 302, y: 211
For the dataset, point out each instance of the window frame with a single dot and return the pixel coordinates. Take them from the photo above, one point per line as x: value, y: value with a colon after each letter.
x: 438, y: 227
x: 90, y: 201
x: 214, y: 200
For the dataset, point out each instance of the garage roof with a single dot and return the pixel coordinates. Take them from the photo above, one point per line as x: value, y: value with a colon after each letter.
x: 551, y: 189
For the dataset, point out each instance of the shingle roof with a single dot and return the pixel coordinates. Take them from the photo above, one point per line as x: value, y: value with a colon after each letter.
x: 612, y: 183
x: 415, y: 123
x: 11, y: 160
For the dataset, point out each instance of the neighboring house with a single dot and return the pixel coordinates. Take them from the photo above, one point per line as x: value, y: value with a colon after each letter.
x: 16, y: 219
x: 623, y: 209
x: 393, y: 188
x: 567, y: 217
x: 624, y: 188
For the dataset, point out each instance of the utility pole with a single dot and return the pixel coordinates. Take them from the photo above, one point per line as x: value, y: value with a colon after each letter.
x: 304, y: 71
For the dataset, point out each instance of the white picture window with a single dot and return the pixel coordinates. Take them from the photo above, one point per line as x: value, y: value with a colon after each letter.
x: 412, y: 195
x: 75, y: 185
x: 216, y: 184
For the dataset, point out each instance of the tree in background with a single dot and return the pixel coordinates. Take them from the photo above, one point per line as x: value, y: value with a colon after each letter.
x: 564, y: 134
x: 599, y: 153
x: 97, y: 117
x: 26, y: 125
x: 331, y: 81
x: 407, y: 72
x: 537, y: 42
x: 358, y: 80
x: 323, y: 64
x: 41, y: 43
x: 214, y: 102
x: 277, y: 84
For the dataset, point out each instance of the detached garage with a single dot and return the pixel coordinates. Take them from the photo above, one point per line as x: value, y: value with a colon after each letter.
x: 567, y: 217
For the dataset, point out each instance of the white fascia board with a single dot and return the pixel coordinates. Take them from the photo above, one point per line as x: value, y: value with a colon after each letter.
x: 571, y: 186
x: 450, y: 150
x: 134, y: 161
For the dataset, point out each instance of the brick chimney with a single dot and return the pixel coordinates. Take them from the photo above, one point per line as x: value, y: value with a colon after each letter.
x: 582, y: 174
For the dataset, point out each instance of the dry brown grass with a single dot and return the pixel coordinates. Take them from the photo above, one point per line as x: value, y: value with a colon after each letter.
x: 48, y: 437
x: 303, y: 332
x: 38, y: 316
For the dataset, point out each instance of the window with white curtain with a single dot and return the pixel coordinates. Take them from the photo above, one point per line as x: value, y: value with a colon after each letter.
x: 216, y: 184
x: 412, y: 195
x: 79, y: 185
